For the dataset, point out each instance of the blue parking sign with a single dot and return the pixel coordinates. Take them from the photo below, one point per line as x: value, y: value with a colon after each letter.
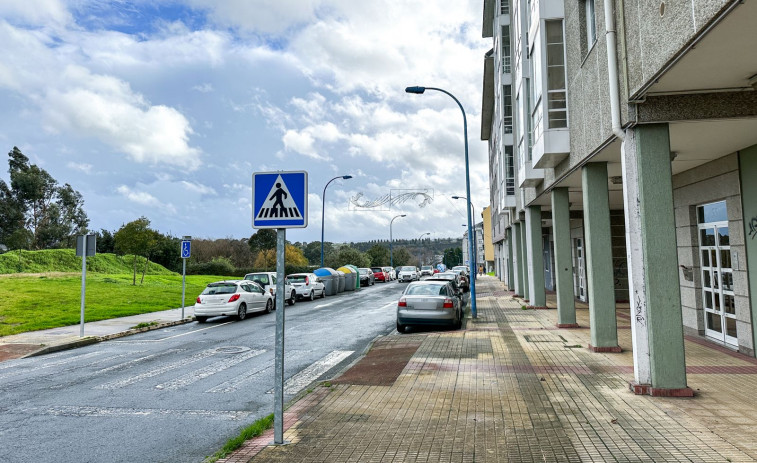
x: 186, y: 249
x: 280, y: 199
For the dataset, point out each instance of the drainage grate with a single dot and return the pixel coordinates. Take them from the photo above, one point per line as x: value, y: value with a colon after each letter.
x: 544, y: 338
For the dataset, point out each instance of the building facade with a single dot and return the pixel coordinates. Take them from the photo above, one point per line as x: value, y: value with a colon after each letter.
x: 634, y: 146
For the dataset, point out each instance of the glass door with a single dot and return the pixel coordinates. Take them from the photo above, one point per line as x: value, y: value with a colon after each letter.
x: 718, y: 297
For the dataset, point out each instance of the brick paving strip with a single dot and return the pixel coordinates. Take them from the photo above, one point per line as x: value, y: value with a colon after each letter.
x: 509, y: 388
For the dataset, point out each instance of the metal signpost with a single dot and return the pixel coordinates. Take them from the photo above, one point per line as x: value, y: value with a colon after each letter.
x: 186, y: 251
x: 86, y: 245
x: 280, y: 201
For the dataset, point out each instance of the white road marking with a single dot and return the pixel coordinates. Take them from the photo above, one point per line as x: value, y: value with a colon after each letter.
x: 85, y: 411
x: 172, y: 337
x: 50, y: 364
x: 202, y: 373
x: 131, y: 363
x: 297, y: 382
x: 157, y: 371
x: 234, y: 384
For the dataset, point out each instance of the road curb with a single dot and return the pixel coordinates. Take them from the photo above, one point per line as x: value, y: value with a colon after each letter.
x: 95, y: 339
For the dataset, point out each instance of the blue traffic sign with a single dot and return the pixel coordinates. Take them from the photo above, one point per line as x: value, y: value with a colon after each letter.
x: 186, y: 249
x: 280, y: 199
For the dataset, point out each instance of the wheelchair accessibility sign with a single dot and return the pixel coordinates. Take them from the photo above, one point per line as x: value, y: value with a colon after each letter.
x: 280, y: 199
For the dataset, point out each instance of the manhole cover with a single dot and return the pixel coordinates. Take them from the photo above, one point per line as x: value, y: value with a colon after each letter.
x: 232, y: 349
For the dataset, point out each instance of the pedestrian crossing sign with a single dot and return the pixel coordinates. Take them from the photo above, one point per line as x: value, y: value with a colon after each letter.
x: 280, y: 199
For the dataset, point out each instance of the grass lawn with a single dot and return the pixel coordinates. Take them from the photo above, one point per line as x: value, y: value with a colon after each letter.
x: 36, y: 302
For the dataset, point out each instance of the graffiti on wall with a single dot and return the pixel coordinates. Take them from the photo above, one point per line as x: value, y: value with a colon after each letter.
x: 639, y: 310
x: 620, y: 271
x: 753, y: 227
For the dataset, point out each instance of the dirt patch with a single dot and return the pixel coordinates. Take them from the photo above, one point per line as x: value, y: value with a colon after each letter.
x: 382, y: 365
x: 14, y: 351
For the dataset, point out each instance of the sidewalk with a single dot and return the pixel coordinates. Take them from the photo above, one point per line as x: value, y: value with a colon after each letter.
x: 67, y: 337
x: 513, y: 387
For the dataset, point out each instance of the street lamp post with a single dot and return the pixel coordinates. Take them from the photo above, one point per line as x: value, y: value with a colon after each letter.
x: 323, y: 207
x: 391, y: 257
x: 420, y: 238
x: 473, y: 259
x: 419, y: 90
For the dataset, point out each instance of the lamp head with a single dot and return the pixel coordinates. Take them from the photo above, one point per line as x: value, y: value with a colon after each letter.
x: 418, y: 90
x: 456, y: 197
x: 346, y: 177
x: 403, y: 215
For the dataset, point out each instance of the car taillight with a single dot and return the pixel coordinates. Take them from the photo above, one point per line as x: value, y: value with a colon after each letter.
x: 402, y: 303
x: 198, y: 300
x: 234, y: 298
x: 448, y: 303
x: 307, y: 281
x: 270, y: 290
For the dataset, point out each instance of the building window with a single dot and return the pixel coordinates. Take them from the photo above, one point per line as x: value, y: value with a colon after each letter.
x: 529, y: 129
x: 506, y: 49
x: 510, y: 171
x: 507, y: 108
x: 557, y: 106
x: 591, y: 26
x: 504, y: 6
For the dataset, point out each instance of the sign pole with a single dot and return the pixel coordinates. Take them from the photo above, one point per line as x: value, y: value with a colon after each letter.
x: 83, y: 283
x: 278, y: 391
x: 186, y: 251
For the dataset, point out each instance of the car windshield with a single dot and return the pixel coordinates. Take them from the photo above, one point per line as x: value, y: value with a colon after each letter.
x: 377, y: 269
x: 296, y: 278
x: 425, y: 290
x: 426, y: 267
x: 407, y: 269
x: 220, y: 288
x: 258, y: 278
x: 364, y: 271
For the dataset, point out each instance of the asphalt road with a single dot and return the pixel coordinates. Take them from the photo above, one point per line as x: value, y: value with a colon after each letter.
x: 178, y: 394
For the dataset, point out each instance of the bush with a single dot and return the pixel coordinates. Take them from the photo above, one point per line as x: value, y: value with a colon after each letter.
x: 217, y: 266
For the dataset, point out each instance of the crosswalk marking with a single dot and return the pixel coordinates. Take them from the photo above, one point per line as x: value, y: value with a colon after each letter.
x: 297, y: 382
x: 88, y: 411
x: 42, y: 366
x: 197, y: 375
x: 157, y: 371
x: 233, y: 384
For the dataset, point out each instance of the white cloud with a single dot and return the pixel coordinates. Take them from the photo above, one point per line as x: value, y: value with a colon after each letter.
x: 199, y: 188
x: 144, y: 198
x: 82, y: 167
x: 35, y: 12
x: 261, y: 16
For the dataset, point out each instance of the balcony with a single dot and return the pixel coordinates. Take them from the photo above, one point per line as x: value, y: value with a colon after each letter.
x: 528, y: 176
x: 551, y: 147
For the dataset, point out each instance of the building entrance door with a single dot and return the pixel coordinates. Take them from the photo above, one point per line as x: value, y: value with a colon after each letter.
x: 717, y: 275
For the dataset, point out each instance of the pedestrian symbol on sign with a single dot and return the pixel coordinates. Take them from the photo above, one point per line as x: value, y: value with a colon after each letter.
x: 278, y: 204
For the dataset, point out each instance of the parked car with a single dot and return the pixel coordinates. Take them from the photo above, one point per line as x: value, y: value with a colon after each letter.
x: 465, y: 283
x: 429, y: 302
x: 453, y: 278
x: 379, y: 274
x: 307, y: 285
x: 427, y: 270
x: 232, y: 298
x: 390, y: 271
x: 367, y: 278
x: 408, y: 273
x: 268, y: 281
x: 462, y: 268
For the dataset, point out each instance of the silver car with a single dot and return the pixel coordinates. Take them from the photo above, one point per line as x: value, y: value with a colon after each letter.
x: 306, y: 285
x: 408, y: 273
x: 232, y: 298
x: 429, y: 302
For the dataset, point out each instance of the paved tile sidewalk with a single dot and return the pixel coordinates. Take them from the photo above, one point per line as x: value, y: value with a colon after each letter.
x: 513, y: 387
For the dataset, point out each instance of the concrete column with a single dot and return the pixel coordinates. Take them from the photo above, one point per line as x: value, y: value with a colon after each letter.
x: 509, y: 262
x: 535, y: 251
x: 566, y: 307
x: 654, y: 179
x: 601, y: 286
x: 524, y: 262
x: 748, y: 172
x: 517, y: 260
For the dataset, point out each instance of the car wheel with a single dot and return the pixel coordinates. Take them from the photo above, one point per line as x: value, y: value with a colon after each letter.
x: 323, y: 293
x: 242, y: 311
x: 312, y: 295
x: 201, y: 319
x: 401, y: 328
x: 292, y: 299
x: 459, y: 322
x: 268, y: 306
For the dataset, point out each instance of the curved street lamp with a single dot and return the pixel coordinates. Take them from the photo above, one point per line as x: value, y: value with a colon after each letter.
x: 473, y: 258
x: 419, y: 90
x: 391, y: 257
x: 323, y: 207
x: 420, y: 238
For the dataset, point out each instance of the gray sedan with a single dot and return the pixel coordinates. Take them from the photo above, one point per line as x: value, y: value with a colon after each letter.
x: 429, y: 302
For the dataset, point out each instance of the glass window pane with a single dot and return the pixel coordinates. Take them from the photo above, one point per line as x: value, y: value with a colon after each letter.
x: 714, y: 257
x: 716, y: 306
x: 713, y: 322
x: 707, y: 237
x: 725, y: 258
x: 727, y: 281
x: 707, y: 282
x: 729, y: 304
x: 715, y: 212
x: 707, y: 300
x: 705, y: 258
x: 730, y: 327
x: 715, y: 280
x: 723, y: 236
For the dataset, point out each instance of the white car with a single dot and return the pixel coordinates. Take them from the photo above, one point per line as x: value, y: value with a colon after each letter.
x: 268, y: 281
x: 307, y: 285
x: 232, y: 298
x: 408, y: 273
x: 390, y: 271
x: 427, y: 270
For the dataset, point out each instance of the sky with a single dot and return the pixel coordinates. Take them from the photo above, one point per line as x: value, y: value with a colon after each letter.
x: 165, y: 109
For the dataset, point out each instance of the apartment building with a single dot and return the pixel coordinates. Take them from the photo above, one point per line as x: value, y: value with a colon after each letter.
x: 634, y: 169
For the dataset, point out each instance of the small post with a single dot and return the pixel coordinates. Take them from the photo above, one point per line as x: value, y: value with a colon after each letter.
x: 278, y: 389
x: 186, y: 251
x: 83, y: 283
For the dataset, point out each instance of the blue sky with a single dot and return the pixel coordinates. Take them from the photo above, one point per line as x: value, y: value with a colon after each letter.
x: 164, y: 109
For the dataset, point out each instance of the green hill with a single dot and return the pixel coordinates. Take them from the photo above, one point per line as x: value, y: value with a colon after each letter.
x: 65, y: 260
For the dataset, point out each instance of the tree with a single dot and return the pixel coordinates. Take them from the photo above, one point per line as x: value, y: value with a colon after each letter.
x: 51, y: 214
x: 347, y: 255
x: 452, y: 257
x: 261, y: 241
x: 135, y: 238
x: 105, y: 241
x: 312, y: 251
x: 292, y: 256
x: 401, y: 256
x: 379, y: 255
